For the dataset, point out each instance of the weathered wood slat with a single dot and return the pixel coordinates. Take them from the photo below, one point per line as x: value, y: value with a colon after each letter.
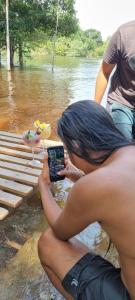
x: 17, y: 178
x: 11, y: 139
x: 6, y: 133
x: 17, y: 160
x: 21, y: 177
x: 20, y: 153
x: 10, y: 199
x: 3, y: 213
x: 15, y: 187
x: 49, y: 143
x: 18, y: 147
x: 20, y: 168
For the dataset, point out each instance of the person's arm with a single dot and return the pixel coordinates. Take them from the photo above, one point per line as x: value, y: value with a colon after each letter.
x: 80, y: 210
x: 85, y: 205
x: 51, y: 209
x: 70, y: 171
x: 102, y: 80
x: 110, y: 58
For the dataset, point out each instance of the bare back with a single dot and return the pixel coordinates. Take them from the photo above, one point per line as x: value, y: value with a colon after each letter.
x: 119, y: 223
x: 107, y: 194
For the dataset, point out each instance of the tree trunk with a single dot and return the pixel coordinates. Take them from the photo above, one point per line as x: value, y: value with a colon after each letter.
x: 8, y: 37
x: 0, y: 58
x: 11, y: 55
x: 55, y: 35
x: 20, y: 55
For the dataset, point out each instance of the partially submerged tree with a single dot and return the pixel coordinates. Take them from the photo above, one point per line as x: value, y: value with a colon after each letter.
x: 2, y: 27
x: 27, y: 17
x: 8, y: 37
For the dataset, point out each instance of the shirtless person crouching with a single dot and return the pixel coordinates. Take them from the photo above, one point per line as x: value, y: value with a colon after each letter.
x: 104, y: 192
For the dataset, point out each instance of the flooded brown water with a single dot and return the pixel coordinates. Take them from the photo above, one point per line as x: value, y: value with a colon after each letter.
x: 26, y: 95
x: 36, y: 93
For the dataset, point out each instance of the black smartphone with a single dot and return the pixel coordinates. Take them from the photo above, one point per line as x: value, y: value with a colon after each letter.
x: 56, y: 162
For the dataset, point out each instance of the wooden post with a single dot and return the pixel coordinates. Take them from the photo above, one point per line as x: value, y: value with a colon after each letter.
x: 8, y: 36
x: 0, y: 57
x: 55, y: 35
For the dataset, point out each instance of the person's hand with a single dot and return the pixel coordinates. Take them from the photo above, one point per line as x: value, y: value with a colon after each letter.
x: 44, y: 178
x: 70, y: 171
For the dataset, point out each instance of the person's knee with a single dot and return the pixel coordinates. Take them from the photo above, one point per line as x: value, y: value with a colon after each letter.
x: 45, y: 244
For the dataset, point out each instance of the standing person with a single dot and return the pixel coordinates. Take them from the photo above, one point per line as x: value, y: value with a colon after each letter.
x: 120, y: 55
x: 104, y: 162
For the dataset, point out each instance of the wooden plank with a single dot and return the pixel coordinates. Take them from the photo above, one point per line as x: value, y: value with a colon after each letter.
x: 6, y: 133
x: 11, y: 139
x: 10, y: 199
x: 20, y: 168
x: 50, y: 143
x: 3, y: 213
x: 47, y: 143
x: 15, y: 187
x: 20, y: 161
x: 21, y: 177
x: 19, y: 147
x: 20, y: 153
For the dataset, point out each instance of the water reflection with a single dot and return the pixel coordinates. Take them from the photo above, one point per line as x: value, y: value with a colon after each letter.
x: 37, y: 93
x: 10, y: 99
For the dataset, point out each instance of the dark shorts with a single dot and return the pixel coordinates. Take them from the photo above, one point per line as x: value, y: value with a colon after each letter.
x: 94, y: 278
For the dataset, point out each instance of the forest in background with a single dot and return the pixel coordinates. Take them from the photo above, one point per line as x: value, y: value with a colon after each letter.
x: 36, y: 26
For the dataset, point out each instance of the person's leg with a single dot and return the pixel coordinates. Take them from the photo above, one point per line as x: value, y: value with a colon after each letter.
x: 58, y: 257
x: 123, y: 118
x: 56, y: 282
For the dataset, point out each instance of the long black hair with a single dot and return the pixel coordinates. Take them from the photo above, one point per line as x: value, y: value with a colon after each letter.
x: 86, y: 127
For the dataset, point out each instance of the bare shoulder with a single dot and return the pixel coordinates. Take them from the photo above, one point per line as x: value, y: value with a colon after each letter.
x: 96, y: 183
x: 93, y: 190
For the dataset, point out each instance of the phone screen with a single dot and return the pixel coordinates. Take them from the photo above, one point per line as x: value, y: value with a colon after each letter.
x: 56, y: 162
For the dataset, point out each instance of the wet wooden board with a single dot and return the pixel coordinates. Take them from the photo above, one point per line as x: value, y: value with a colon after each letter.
x: 3, y: 213
x: 21, y: 146
x: 15, y: 187
x: 18, y: 146
x: 20, y: 154
x: 17, y: 176
x: 20, y: 161
x: 11, y: 139
x: 10, y: 199
x: 6, y: 133
x: 19, y: 168
x: 18, y: 179
x: 50, y: 143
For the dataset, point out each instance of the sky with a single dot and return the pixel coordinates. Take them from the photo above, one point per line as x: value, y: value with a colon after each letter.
x: 106, y: 15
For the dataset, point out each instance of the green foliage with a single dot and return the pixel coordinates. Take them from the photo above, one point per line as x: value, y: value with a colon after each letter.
x: 62, y: 46
x: 94, y: 35
x: 33, y: 27
x: 28, y: 17
x: 82, y: 44
x: 77, y: 48
x: 2, y: 24
x: 77, y: 45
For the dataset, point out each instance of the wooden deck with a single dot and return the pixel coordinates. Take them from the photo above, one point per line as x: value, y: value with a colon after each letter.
x: 17, y: 178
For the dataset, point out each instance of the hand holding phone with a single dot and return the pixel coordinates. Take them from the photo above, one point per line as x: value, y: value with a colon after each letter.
x: 56, y: 162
